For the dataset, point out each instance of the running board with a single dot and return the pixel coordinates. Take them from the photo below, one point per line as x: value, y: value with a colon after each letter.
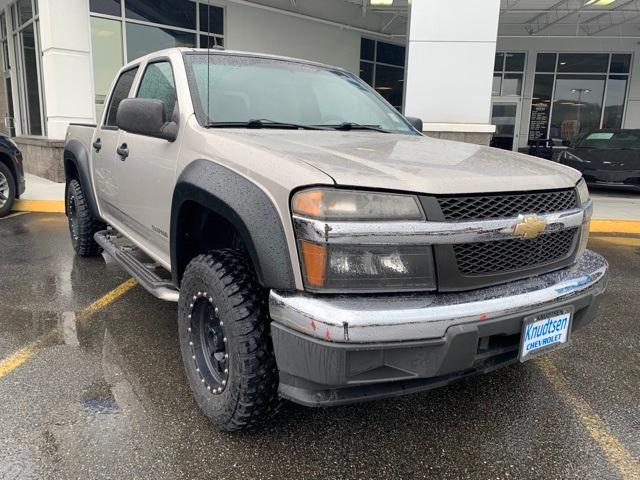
x: 144, y: 274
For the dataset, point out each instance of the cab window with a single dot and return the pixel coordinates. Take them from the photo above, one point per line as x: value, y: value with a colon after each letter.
x: 158, y: 83
x: 120, y: 92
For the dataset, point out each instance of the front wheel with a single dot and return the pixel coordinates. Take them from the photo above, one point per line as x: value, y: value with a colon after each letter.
x: 225, y: 342
x: 7, y: 190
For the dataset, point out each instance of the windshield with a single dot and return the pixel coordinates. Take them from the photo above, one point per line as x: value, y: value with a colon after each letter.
x: 239, y: 89
x: 625, y: 139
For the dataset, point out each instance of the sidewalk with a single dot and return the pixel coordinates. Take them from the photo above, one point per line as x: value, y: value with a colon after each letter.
x: 612, y: 211
x: 41, y: 195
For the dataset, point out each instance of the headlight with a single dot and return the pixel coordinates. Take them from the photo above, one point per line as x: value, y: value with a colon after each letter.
x: 340, y: 268
x: 583, y: 191
x: 331, y: 204
x: 367, y: 268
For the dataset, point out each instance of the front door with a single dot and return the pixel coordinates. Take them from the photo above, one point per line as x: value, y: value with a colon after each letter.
x: 149, y: 170
x: 505, y: 115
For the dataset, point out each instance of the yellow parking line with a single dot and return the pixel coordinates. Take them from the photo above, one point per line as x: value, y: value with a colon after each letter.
x: 43, y: 206
x: 9, y: 364
x: 628, y: 466
x: 615, y: 226
x: 110, y: 297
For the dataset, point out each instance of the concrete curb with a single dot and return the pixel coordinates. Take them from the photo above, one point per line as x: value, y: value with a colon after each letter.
x: 39, y: 206
x: 597, y: 225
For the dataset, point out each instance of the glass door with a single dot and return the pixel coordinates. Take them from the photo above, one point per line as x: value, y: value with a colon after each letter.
x: 6, y: 98
x: 505, y: 115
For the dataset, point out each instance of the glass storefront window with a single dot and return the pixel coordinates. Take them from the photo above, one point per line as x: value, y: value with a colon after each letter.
x: 32, y: 90
x: 614, y: 103
x: 25, y: 11
x: 176, y: 13
x: 577, y: 105
x: 583, y: 62
x: 508, y: 74
x: 389, y: 83
x: 382, y: 67
x: 144, y: 39
x: 106, y: 43
x: 106, y: 7
x: 211, y: 19
x: 546, y: 62
x: 497, y: 84
x: 620, y: 63
x: 584, y: 99
x: 211, y: 41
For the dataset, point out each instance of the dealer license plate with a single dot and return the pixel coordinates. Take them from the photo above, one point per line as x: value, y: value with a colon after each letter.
x: 544, y: 332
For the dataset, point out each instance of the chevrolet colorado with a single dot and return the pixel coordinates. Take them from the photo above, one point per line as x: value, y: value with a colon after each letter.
x: 320, y: 248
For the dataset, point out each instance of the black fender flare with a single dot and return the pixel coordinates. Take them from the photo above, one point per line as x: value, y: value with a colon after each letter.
x: 76, y: 154
x: 245, y: 206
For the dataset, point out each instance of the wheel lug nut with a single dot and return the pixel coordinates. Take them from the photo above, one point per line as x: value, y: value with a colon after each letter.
x: 224, y: 382
x: 194, y: 297
x: 224, y: 339
x: 216, y: 310
x: 191, y: 343
x: 189, y: 329
x: 219, y: 389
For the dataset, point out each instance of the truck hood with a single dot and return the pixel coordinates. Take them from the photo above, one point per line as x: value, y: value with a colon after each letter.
x: 411, y: 163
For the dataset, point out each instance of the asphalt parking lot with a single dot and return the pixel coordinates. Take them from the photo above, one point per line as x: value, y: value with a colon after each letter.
x: 92, y: 386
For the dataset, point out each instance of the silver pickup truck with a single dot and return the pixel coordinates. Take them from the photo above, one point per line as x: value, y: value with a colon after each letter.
x: 320, y: 248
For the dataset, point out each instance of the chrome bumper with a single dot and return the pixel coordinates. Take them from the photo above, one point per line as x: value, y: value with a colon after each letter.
x: 390, y: 318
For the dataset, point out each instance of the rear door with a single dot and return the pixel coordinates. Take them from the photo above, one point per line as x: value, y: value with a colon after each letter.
x: 149, y: 170
x: 106, y: 162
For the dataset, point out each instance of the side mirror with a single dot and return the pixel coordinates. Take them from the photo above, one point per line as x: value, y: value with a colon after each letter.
x: 145, y: 116
x: 415, y: 123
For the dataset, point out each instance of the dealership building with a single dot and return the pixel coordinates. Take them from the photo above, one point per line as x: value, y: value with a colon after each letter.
x: 509, y: 73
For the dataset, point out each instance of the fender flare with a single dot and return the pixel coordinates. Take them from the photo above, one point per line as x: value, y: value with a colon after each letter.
x: 244, y: 205
x: 76, y: 154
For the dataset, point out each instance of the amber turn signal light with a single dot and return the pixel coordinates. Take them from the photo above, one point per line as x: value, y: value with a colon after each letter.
x: 315, y: 257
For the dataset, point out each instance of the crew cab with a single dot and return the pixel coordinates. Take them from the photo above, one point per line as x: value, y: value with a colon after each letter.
x: 320, y: 248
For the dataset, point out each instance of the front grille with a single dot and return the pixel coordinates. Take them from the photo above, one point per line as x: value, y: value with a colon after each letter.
x: 505, y: 256
x: 506, y: 205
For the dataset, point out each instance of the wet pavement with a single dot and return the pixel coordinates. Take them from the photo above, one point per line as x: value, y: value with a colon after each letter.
x: 103, y: 395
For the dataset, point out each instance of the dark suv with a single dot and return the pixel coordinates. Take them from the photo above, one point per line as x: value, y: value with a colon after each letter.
x: 12, y: 182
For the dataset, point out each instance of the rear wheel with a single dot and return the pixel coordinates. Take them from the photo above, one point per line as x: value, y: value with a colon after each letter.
x: 82, y: 225
x: 225, y: 342
x: 7, y: 190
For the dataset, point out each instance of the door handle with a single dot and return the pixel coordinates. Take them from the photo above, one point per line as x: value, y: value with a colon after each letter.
x: 97, y: 145
x: 123, y: 151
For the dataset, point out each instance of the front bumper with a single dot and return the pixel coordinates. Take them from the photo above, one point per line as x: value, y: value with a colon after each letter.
x: 341, y: 349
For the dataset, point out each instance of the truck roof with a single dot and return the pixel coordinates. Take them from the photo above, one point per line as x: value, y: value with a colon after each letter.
x: 218, y: 51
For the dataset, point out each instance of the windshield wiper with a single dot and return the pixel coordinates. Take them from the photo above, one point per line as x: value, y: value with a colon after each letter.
x: 346, y: 126
x: 265, y: 123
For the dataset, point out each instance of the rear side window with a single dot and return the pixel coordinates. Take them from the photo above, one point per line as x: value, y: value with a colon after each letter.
x: 157, y: 83
x: 120, y: 92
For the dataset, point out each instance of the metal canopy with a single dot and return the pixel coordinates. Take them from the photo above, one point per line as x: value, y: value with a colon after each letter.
x: 526, y: 18
x: 617, y: 18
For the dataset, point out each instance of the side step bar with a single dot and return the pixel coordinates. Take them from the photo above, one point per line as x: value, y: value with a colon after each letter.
x: 150, y: 281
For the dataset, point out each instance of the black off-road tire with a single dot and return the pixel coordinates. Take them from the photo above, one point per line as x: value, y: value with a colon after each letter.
x: 238, y: 388
x: 82, y: 224
x: 10, y: 188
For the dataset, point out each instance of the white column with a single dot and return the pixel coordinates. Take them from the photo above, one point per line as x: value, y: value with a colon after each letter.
x: 452, y: 46
x: 65, y: 39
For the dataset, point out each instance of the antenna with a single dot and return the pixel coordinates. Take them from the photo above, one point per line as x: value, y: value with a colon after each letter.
x: 208, y: 61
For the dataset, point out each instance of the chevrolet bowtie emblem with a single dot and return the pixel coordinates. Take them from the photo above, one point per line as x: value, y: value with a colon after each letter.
x: 530, y: 227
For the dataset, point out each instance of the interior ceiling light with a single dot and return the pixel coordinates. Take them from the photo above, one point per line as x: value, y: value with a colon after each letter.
x: 381, y: 2
x: 600, y: 3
